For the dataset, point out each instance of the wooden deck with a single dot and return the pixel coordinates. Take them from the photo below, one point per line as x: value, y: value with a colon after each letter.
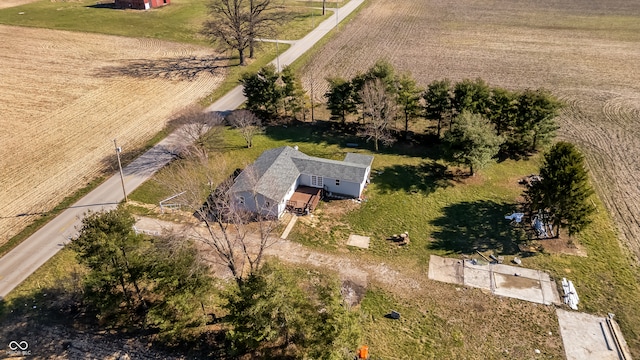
x: 304, y: 200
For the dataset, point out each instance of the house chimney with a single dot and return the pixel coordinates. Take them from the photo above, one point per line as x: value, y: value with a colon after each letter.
x: 295, y: 147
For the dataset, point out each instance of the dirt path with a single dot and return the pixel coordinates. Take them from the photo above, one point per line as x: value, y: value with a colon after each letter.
x: 13, y: 3
x: 347, y: 267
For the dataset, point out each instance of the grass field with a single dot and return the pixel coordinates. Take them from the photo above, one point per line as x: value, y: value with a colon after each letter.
x: 586, y: 52
x: 446, y: 214
x: 181, y: 21
x: 583, y: 51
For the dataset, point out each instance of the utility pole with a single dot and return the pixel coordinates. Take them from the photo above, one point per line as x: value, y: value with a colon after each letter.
x: 277, y: 56
x: 118, y: 151
x: 312, y: 102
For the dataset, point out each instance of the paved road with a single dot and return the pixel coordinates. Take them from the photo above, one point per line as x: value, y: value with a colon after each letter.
x: 22, y: 261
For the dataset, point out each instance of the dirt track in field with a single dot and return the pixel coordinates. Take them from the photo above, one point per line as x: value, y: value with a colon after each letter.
x: 587, y: 52
x: 12, y: 3
x: 65, y: 96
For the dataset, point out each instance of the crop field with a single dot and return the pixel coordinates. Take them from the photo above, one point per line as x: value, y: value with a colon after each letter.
x: 65, y: 96
x: 586, y: 52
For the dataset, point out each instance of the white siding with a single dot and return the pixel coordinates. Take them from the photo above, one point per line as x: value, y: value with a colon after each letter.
x: 304, y: 180
x: 345, y: 187
x: 257, y: 202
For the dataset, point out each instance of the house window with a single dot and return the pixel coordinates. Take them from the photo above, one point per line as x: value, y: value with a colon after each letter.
x: 337, y: 182
x: 316, y: 181
x: 241, y: 200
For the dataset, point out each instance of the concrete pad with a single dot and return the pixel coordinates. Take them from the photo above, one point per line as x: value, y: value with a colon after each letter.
x: 478, y: 276
x: 446, y: 270
x: 358, y: 241
x: 550, y: 292
x: 586, y: 336
x: 529, y: 284
x: 518, y: 287
x: 512, y: 270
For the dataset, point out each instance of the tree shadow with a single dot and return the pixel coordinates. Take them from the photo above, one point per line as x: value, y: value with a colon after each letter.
x: 344, y: 135
x: 141, y: 164
x: 170, y: 68
x: 480, y: 225
x: 423, y: 178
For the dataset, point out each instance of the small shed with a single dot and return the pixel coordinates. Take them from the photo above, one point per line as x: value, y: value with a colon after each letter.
x: 140, y: 4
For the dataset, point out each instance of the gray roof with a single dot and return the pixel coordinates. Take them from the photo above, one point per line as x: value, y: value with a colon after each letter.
x: 273, y: 173
x: 361, y: 159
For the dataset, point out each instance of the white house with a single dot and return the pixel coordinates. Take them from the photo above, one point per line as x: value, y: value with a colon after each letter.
x: 268, y: 185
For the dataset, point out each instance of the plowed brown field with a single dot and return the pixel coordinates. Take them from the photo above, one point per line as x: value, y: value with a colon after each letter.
x: 65, y: 96
x: 587, y: 52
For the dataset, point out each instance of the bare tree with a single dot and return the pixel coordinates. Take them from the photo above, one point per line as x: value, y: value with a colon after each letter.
x: 247, y: 123
x: 238, y: 23
x: 200, y: 132
x: 230, y: 28
x: 236, y: 236
x: 380, y: 107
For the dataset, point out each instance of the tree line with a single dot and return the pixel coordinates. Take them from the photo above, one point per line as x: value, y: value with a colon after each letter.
x: 479, y: 121
x: 524, y: 119
x: 474, y: 123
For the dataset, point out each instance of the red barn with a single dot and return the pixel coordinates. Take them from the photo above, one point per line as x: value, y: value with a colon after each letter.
x: 140, y: 4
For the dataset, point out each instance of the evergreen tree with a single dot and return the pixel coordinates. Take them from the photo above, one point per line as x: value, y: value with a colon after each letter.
x: 341, y: 98
x: 182, y: 285
x: 562, y: 195
x: 408, y: 94
x: 535, y: 125
x: 108, y: 246
x: 502, y: 110
x: 472, y: 141
x: 292, y: 91
x: 438, y: 102
x: 383, y: 71
x: 136, y: 281
x: 275, y: 309
x: 262, y: 91
x: 472, y: 96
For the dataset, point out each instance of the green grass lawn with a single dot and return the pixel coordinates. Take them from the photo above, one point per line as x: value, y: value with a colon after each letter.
x: 181, y: 21
x: 446, y: 214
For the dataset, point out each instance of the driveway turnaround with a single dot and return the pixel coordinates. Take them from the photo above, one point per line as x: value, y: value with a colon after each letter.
x: 24, y: 259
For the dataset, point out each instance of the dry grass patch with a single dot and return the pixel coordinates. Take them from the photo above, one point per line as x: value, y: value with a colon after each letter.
x: 12, y: 3
x: 65, y: 96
